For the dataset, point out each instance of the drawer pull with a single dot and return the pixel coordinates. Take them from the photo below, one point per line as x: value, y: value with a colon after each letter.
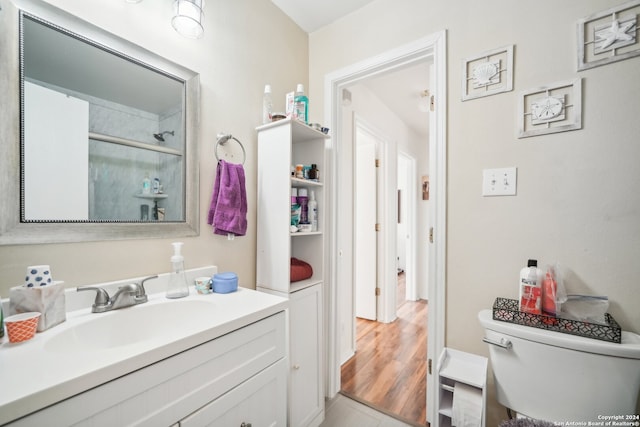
x: 245, y: 425
x: 296, y: 367
x: 504, y: 343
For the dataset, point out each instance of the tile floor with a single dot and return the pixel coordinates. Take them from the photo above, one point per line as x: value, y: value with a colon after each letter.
x: 344, y: 412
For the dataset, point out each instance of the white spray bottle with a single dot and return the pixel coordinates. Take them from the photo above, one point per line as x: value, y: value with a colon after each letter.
x: 177, y: 287
x: 313, y: 212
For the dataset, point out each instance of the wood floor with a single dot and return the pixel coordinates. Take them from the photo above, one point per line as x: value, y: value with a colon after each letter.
x: 389, y: 368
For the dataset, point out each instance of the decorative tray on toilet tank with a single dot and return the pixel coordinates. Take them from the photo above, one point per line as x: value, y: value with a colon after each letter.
x: 507, y: 310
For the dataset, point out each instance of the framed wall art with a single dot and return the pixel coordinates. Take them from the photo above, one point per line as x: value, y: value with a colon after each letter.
x: 549, y: 109
x: 425, y: 187
x: 489, y: 73
x: 609, y: 36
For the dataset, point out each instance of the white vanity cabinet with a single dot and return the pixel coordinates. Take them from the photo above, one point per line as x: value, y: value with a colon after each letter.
x: 281, y: 146
x: 259, y: 401
x: 239, y: 377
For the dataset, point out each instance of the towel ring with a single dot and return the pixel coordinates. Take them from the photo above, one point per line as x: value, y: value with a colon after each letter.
x: 222, y: 139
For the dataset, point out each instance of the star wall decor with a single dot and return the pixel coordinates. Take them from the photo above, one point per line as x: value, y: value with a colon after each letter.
x: 609, y: 36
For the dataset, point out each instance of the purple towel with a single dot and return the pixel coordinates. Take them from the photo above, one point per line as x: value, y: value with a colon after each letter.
x: 228, y: 210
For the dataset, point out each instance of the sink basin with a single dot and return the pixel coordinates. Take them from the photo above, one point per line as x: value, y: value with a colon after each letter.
x: 132, y: 325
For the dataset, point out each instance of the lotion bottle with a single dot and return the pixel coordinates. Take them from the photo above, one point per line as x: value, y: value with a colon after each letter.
x: 530, y: 288
x: 177, y: 287
x: 313, y: 211
x: 267, y: 105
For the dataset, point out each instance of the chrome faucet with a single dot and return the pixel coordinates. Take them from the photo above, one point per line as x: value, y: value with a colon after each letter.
x: 125, y: 296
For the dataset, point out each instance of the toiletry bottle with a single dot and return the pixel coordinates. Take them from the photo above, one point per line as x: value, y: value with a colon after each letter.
x: 530, y: 288
x: 303, y: 201
x: 301, y: 105
x: 289, y: 104
x: 295, y: 208
x: 267, y: 105
x: 177, y: 287
x: 313, y: 172
x: 313, y: 211
x: 1, y: 320
x: 549, y: 293
x: 156, y: 185
x: 146, y: 184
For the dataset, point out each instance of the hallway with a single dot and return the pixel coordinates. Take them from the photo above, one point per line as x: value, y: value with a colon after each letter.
x: 388, y: 371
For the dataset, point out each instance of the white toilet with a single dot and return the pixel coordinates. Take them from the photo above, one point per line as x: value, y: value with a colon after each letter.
x: 558, y: 377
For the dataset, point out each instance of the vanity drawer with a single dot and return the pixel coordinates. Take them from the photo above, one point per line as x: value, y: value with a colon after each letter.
x: 169, y: 390
x: 259, y: 401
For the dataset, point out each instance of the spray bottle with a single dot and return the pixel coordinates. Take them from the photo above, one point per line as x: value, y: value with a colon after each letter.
x: 177, y: 287
x: 313, y: 211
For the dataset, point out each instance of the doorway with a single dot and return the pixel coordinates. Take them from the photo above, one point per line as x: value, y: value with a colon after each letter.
x: 340, y: 245
x: 390, y: 333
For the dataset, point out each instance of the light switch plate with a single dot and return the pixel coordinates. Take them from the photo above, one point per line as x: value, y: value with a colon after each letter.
x: 499, y: 182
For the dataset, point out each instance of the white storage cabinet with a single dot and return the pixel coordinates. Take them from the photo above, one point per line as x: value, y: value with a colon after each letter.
x: 281, y: 145
x: 458, y: 366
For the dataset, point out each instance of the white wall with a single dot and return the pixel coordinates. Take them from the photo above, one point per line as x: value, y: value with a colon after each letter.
x: 246, y: 44
x: 577, y: 199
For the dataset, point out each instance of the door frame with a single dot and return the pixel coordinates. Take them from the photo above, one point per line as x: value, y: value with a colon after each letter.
x: 432, y: 47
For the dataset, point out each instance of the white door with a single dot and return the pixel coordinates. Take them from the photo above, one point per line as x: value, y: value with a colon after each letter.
x: 365, y: 247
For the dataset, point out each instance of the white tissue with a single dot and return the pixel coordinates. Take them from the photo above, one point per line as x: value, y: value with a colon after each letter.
x: 37, y: 276
x: 467, y: 406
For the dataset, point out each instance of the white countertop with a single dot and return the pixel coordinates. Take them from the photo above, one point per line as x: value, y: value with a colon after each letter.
x: 33, y: 376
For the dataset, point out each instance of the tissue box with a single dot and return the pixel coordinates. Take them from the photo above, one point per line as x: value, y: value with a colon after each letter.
x: 48, y: 300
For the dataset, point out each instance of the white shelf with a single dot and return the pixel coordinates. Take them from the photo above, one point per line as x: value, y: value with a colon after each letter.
x: 306, y: 233
x: 152, y: 196
x: 464, y: 367
x: 298, y: 182
x: 300, y: 130
x: 303, y: 284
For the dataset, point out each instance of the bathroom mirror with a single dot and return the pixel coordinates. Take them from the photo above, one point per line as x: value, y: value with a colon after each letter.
x: 106, y: 144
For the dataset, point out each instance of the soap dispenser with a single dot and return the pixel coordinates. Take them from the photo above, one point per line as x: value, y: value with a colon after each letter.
x: 177, y: 287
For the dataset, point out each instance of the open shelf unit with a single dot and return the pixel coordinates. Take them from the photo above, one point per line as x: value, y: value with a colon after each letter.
x: 456, y: 366
x: 282, y: 145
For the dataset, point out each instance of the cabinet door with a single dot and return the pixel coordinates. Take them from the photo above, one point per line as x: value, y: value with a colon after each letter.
x: 261, y: 401
x: 306, y: 393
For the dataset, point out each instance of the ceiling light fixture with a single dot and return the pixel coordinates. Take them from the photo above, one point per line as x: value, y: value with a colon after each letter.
x: 187, y: 18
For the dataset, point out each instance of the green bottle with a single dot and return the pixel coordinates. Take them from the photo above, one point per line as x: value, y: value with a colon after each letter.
x: 301, y: 105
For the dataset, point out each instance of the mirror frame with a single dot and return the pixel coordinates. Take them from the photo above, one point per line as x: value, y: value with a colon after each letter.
x: 12, y: 230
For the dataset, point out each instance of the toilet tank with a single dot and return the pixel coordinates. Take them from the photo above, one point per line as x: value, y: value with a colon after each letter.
x: 559, y: 377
